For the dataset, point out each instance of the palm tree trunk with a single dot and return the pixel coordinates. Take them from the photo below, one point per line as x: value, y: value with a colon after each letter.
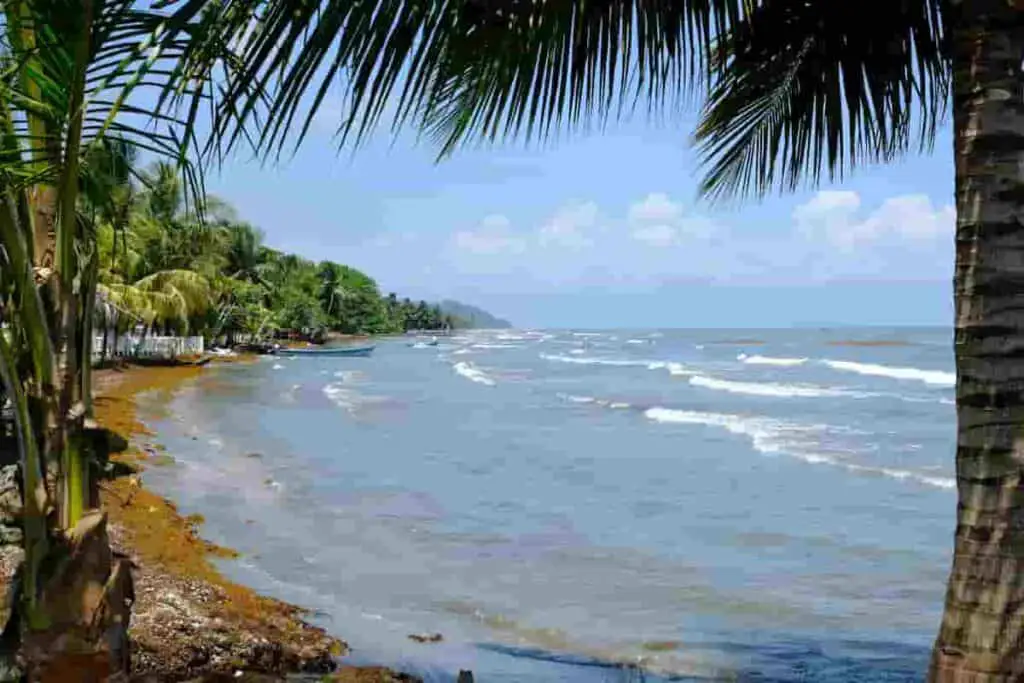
x: 983, y: 625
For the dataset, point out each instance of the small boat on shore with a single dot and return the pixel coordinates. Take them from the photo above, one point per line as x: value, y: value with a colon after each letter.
x: 354, y: 351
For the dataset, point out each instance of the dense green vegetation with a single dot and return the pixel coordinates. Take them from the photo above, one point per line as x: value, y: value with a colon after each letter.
x: 167, y: 268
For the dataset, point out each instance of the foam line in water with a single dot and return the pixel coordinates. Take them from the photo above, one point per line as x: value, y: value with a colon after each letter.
x: 773, y: 437
x: 933, y: 377
x: 768, y: 360
x: 590, y: 400
x: 473, y: 373
x: 773, y: 390
x: 673, y: 368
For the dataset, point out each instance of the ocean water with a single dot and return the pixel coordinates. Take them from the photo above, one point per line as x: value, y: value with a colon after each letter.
x: 758, y: 505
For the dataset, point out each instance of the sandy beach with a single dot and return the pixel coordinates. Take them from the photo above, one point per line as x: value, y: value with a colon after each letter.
x: 189, y: 622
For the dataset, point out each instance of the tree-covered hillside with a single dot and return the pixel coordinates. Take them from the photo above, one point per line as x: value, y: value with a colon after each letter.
x: 471, y: 316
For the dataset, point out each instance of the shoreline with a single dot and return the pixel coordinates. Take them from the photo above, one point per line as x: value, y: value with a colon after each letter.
x: 189, y: 621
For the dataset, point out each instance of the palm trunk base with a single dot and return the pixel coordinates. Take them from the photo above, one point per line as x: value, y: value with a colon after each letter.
x: 88, y: 601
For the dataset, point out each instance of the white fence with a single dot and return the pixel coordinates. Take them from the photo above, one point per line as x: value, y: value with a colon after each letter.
x: 149, y: 346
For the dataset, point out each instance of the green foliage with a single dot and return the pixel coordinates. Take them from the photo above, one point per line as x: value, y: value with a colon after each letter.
x: 171, y: 269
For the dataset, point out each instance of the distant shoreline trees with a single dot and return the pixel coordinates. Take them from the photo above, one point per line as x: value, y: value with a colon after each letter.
x: 165, y: 268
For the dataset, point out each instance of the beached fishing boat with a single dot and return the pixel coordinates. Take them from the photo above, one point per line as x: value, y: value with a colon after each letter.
x: 329, y: 351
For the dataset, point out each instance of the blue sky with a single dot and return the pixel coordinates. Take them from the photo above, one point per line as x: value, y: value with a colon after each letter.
x: 604, y: 229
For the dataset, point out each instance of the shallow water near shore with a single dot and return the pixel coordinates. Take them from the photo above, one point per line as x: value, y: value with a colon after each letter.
x: 712, y: 505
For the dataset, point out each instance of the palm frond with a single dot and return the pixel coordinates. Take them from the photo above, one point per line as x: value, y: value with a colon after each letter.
x: 461, y: 68
x: 189, y: 291
x: 806, y: 89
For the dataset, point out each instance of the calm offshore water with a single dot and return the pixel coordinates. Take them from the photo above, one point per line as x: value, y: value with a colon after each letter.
x: 556, y: 504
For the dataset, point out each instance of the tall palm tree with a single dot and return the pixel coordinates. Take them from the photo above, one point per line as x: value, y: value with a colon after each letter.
x: 169, y: 297
x: 245, y: 253
x: 333, y: 291
x: 71, y: 69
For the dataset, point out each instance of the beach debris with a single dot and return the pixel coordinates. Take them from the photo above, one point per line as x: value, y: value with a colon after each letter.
x: 465, y: 676
x: 254, y: 455
x: 10, y: 495
x: 426, y: 637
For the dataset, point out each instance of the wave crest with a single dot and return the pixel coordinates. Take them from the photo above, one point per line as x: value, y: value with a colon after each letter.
x: 772, y: 390
x: 768, y: 360
x: 473, y: 373
x: 933, y: 377
x: 775, y: 437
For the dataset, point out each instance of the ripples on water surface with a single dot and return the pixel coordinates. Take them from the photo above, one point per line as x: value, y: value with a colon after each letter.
x: 765, y: 505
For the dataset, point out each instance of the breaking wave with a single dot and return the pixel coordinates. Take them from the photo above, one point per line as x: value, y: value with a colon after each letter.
x: 772, y: 437
x: 768, y: 360
x: 473, y: 373
x: 773, y: 390
x: 933, y: 377
x: 673, y: 367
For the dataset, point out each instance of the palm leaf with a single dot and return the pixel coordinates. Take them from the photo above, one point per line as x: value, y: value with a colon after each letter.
x: 460, y: 68
x: 807, y: 89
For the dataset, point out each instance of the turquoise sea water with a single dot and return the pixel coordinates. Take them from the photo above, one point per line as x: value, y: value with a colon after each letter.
x: 757, y: 505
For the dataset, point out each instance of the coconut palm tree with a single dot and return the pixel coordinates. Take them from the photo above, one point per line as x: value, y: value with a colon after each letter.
x: 332, y: 292
x: 69, y: 73
x: 169, y: 297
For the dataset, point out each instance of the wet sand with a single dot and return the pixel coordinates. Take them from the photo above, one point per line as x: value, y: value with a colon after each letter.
x: 189, y: 622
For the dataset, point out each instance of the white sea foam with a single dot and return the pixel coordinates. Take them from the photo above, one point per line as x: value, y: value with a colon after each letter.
x: 636, y: 341
x: 892, y: 473
x: 348, y: 375
x: 618, y: 362
x: 773, y: 390
x: 461, y: 352
x: 767, y: 360
x: 933, y: 377
x: 577, y: 352
x: 495, y: 346
x: 673, y: 368
x: 590, y: 400
x: 762, y: 432
x: 277, y: 366
x: 473, y: 373
x: 340, y: 395
x: 775, y: 437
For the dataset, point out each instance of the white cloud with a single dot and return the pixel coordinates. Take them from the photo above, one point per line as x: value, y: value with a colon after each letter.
x: 493, y: 236
x: 835, y: 217
x: 655, y: 208
x: 832, y: 235
x: 660, y: 222
x: 569, y: 227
